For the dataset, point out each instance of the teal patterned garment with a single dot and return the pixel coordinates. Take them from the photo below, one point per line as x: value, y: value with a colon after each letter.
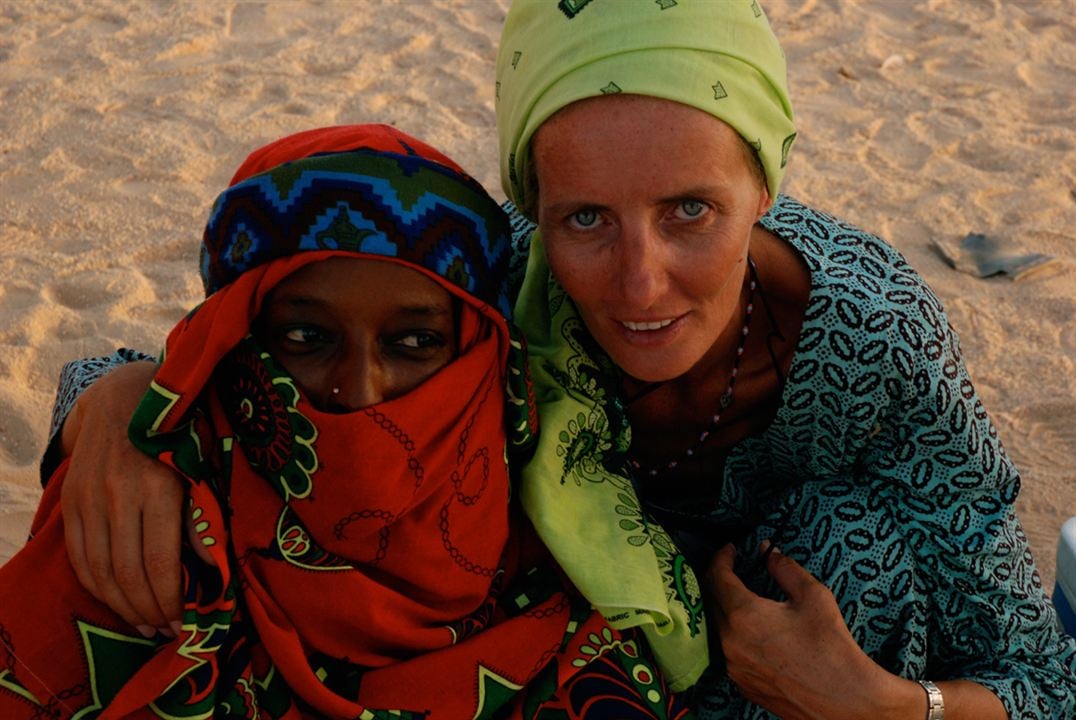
x: 883, y: 475
x: 903, y: 494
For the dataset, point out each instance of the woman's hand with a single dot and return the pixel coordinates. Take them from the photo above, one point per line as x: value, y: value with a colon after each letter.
x: 122, y: 509
x: 797, y: 658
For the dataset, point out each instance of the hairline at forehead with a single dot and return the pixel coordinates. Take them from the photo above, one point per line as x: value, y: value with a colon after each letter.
x: 530, y: 179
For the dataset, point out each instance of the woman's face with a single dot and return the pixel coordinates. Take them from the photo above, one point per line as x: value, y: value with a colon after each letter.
x: 354, y: 332
x: 646, y: 208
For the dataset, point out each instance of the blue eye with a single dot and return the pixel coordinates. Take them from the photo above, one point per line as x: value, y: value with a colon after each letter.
x: 690, y: 209
x: 584, y: 219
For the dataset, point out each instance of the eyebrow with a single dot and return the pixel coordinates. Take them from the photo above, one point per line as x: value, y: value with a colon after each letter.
x: 575, y: 205
x: 699, y: 191
x: 426, y: 310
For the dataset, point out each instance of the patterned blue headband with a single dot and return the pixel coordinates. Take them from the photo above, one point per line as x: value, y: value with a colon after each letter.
x: 381, y: 203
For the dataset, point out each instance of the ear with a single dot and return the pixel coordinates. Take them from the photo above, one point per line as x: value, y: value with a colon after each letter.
x: 765, y: 202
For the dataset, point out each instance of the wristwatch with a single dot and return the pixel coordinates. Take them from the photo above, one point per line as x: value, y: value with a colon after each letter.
x: 935, y: 702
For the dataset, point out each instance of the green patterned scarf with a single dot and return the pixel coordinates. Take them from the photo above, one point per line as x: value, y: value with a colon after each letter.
x: 579, y: 495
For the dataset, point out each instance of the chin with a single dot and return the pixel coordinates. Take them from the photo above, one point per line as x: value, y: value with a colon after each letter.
x: 650, y: 369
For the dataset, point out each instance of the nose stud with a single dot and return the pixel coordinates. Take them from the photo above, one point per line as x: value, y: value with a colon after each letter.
x: 336, y: 391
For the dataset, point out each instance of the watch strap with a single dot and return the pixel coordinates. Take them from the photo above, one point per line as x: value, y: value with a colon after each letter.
x: 935, y: 701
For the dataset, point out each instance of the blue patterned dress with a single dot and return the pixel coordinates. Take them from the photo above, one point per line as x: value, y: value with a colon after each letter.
x: 883, y: 475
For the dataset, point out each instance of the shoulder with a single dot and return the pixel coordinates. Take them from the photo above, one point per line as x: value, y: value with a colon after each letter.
x: 875, y: 342
x: 860, y: 284
x: 839, y: 251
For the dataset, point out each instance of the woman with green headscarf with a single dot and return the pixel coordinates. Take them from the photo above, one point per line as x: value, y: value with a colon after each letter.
x: 719, y: 368
x: 738, y: 389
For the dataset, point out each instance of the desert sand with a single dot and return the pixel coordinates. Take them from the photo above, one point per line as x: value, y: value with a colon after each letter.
x: 920, y: 121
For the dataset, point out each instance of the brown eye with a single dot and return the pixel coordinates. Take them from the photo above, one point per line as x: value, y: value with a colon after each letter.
x: 419, y: 340
x: 305, y: 334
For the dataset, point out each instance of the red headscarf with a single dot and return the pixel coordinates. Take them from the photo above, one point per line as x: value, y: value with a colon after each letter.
x: 341, y: 138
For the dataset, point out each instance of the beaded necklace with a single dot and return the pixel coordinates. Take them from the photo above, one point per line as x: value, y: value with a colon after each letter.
x: 726, y: 397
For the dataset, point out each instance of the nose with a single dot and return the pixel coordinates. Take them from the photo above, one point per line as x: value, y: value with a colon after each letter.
x: 357, y: 381
x: 640, y: 264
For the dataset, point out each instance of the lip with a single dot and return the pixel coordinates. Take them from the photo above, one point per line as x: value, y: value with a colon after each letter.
x: 651, y: 337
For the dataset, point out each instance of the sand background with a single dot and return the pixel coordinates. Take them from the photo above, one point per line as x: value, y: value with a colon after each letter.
x: 919, y: 121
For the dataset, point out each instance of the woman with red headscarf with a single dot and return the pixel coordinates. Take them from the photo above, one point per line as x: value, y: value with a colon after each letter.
x: 337, y: 407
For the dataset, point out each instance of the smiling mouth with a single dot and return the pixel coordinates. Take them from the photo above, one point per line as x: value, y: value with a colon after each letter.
x: 645, y: 326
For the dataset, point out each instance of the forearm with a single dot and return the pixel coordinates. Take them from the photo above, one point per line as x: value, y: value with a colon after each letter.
x: 991, y: 623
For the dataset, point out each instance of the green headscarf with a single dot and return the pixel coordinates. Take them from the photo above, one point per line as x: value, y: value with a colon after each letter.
x: 719, y: 56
